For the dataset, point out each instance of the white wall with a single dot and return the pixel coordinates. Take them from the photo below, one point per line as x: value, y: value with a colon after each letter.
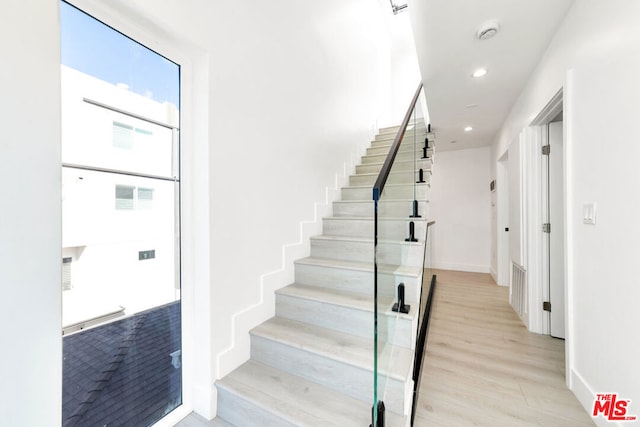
x: 599, y: 42
x: 460, y: 203
x: 603, y: 275
x: 295, y: 90
x: 405, y: 71
x: 30, y: 236
x: 287, y: 95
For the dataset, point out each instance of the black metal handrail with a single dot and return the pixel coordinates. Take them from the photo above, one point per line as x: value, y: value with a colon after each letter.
x: 421, y: 345
x: 386, y: 167
x: 424, y: 312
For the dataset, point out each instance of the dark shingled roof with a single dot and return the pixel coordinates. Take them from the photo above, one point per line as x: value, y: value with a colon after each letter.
x: 121, y: 373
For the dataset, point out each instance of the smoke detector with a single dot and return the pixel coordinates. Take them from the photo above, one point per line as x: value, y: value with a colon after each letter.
x: 487, y: 30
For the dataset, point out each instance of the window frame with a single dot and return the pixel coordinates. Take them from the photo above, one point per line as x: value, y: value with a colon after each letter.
x: 194, y: 204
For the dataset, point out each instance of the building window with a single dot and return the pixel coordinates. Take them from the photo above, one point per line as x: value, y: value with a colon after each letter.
x: 145, y: 198
x: 124, y: 197
x: 144, y: 132
x: 122, y: 136
x: 130, y: 198
x: 122, y: 326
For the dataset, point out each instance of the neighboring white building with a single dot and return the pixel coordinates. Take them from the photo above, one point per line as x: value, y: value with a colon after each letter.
x: 119, y: 231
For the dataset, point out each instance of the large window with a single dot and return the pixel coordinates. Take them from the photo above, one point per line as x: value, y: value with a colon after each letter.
x: 121, y: 227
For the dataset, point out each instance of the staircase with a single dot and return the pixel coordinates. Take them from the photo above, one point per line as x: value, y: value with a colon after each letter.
x: 312, y: 364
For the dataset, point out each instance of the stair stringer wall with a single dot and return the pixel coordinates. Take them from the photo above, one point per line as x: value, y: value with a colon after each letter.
x: 263, y: 309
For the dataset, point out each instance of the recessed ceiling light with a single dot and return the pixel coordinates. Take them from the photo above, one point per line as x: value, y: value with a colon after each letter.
x: 480, y: 72
x: 468, y: 129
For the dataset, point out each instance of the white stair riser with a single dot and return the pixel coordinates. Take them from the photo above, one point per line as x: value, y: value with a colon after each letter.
x: 356, y: 280
x: 337, y: 375
x: 394, y: 178
x: 406, y: 151
x: 344, y: 319
x: 400, y: 208
x: 387, y: 228
x: 404, y: 148
x: 393, y: 130
x: 391, y: 135
x: 394, y: 329
x: 391, y: 192
x: 388, y: 131
x: 392, y: 253
x: 407, y: 144
x: 403, y: 155
x: 404, y: 165
x: 237, y: 410
x: 388, y: 141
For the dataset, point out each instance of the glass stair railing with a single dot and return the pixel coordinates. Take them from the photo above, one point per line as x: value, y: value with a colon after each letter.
x: 400, y: 239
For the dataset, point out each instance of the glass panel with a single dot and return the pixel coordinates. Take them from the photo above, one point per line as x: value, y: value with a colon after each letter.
x: 400, y: 230
x: 121, y: 228
x: 120, y: 99
x: 428, y: 274
x: 122, y: 265
x: 114, y: 60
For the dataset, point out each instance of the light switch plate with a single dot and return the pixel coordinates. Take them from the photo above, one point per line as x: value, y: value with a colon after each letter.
x: 589, y: 213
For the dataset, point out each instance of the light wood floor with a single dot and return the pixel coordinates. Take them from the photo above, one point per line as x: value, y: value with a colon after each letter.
x: 482, y: 367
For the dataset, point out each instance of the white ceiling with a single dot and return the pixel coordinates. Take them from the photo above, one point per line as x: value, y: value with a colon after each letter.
x: 448, y: 52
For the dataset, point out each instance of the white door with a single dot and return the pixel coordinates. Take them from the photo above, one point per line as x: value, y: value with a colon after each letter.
x: 504, y: 259
x: 516, y: 223
x: 556, y: 236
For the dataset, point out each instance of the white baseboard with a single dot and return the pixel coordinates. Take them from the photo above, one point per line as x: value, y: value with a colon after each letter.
x: 494, y: 275
x: 586, y: 395
x: 205, y: 401
x: 471, y: 268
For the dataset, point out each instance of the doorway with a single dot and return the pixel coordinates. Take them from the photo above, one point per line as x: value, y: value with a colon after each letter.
x: 550, y: 199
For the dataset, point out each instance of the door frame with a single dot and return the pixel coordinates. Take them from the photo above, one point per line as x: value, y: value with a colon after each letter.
x: 539, y: 205
x: 549, y: 257
x: 533, y: 137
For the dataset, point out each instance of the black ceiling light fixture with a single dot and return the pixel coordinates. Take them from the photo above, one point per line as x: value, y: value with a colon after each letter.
x: 397, y: 8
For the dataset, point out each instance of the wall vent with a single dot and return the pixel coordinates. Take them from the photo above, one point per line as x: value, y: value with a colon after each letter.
x: 518, y: 295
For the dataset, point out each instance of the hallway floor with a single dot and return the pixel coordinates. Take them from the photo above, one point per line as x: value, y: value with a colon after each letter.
x: 482, y: 367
